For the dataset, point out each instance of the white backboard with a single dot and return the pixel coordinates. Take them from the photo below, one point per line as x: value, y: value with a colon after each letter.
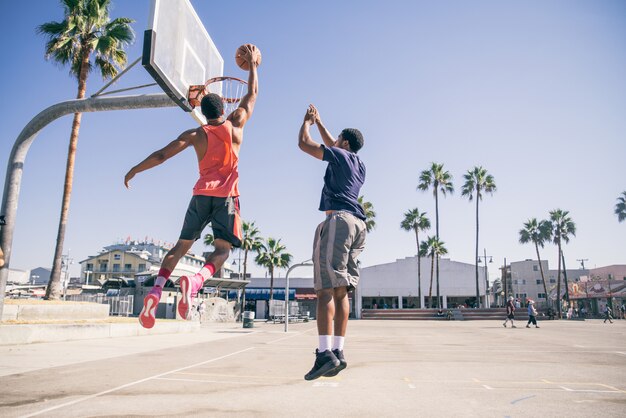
x: 178, y: 51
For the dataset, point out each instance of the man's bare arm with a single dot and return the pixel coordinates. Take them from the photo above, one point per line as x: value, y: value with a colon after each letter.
x: 328, y: 139
x: 246, y: 106
x: 305, y: 142
x: 158, y: 157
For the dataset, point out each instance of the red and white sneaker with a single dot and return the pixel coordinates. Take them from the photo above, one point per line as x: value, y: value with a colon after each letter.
x: 189, y: 288
x: 147, y: 317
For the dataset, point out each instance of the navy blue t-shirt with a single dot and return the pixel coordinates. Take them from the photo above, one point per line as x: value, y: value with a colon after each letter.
x: 344, y: 177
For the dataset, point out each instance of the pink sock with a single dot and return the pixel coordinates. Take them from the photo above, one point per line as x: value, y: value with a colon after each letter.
x: 161, y: 279
x: 206, y: 272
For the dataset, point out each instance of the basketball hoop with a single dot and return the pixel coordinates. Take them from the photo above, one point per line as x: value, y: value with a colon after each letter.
x: 230, y: 89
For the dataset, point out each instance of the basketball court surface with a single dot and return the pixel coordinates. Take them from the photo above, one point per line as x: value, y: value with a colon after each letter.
x: 395, y: 368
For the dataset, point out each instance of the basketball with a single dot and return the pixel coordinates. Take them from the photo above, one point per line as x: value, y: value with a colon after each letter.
x: 241, y: 62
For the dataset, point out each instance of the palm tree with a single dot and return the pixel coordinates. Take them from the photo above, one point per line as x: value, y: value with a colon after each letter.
x: 272, y: 255
x: 416, y: 221
x: 434, y: 248
x: 620, y: 207
x: 478, y: 182
x: 370, y: 215
x: 538, y: 233
x: 562, y: 227
x: 441, y: 181
x: 252, y: 241
x: 86, y: 30
x: 209, y: 239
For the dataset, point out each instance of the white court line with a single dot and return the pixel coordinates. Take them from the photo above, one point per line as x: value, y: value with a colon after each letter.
x: 488, y: 387
x: 588, y: 390
x: 95, y: 395
x: 621, y: 352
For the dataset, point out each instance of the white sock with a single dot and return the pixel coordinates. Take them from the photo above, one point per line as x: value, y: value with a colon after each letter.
x: 338, y: 342
x: 325, y: 343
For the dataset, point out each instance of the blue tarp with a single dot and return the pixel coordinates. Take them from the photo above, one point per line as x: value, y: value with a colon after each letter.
x: 264, y: 294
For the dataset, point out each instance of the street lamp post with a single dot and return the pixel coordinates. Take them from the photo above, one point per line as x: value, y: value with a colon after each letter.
x: 87, y: 273
x: 303, y: 264
x: 33, y: 278
x: 484, y: 257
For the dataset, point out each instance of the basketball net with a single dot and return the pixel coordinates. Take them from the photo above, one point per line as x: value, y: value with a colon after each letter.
x: 230, y: 89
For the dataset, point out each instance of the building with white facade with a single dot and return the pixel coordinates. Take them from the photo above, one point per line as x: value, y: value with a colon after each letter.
x: 133, y: 258
x: 394, y: 285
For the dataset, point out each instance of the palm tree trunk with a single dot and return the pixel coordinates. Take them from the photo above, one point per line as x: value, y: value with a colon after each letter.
x: 543, y: 279
x: 54, y: 285
x: 439, y: 304
x: 245, y: 264
x: 565, y: 278
x: 419, y: 277
x: 437, y: 231
x: 558, y: 283
x: 430, y: 289
x: 476, y: 257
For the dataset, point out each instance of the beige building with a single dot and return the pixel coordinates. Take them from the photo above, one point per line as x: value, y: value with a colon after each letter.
x: 130, y: 259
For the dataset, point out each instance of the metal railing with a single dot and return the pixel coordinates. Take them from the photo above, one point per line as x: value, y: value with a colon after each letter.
x: 118, y: 305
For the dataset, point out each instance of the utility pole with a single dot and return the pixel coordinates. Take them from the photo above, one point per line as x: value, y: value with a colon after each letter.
x: 582, y: 262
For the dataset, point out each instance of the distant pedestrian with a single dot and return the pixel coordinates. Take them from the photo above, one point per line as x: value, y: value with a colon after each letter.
x: 532, y: 314
x: 607, y: 314
x: 623, y: 309
x: 201, y: 309
x: 510, y: 313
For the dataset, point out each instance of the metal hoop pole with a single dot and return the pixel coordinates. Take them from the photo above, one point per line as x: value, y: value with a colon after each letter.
x: 15, y: 165
x: 303, y: 264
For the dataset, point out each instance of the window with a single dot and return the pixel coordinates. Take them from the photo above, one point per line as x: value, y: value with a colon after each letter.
x: 541, y: 296
x: 552, y: 281
x: 523, y: 281
x: 538, y: 281
x: 535, y: 268
x: 117, y: 257
x: 116, y: 267
x: 128, y: 267
x: 89, y: 267
x: 515, y: 281
x: 104, y: 266
x: 141, y: 267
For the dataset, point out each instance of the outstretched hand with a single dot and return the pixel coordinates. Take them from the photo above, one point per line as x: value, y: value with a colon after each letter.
x: 316, y: 114
x: 251, y: 54
x: 310, y: 115
x: 128, y: 177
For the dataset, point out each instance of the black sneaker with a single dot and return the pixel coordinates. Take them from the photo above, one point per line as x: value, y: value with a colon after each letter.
x: 342, y: 363
x: 324, y: 363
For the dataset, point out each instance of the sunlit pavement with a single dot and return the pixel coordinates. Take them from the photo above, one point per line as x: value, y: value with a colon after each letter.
x: 395, y: 368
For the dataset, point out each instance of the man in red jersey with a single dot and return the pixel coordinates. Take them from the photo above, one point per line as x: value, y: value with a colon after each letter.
x: 215, y: 196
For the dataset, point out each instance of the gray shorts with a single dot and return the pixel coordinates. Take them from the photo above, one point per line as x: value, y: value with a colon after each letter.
x: 338, y: 242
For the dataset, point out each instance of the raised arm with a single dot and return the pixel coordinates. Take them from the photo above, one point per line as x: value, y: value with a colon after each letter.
x: 328, y: 139
x: 240, y: 116
x: 157, y: 157
x: 305, y: 142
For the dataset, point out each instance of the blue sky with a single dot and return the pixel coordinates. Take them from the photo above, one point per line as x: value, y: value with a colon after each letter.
x: 533, y: 91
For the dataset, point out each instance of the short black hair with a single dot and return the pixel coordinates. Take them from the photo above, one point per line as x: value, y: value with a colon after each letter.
x: 354, y: 138
x: 212, y: 106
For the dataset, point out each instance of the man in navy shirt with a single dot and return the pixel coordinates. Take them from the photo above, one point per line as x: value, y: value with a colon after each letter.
x: 338, y: 240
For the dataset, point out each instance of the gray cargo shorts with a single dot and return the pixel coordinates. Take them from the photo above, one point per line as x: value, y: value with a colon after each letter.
x: 338, y: 242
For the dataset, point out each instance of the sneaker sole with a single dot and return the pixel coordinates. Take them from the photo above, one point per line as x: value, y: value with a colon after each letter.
x: 185, y: 301
x: 147, y: 317
x: 326, y: 368
x: 336, y: 370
